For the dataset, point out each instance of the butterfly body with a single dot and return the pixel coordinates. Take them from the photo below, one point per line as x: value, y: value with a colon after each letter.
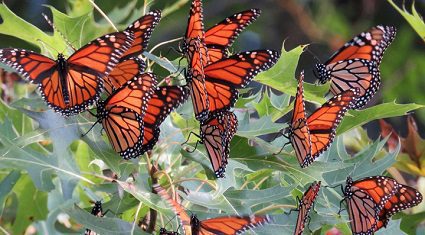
x: 97, y: 211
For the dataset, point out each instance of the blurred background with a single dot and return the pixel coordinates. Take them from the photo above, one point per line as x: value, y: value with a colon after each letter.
x: 325, y: 25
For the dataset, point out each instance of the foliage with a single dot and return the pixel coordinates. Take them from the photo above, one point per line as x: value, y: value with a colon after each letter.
x: 45, y: 160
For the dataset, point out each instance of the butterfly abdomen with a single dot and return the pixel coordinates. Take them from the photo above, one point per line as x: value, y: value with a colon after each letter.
x: 62, y: 68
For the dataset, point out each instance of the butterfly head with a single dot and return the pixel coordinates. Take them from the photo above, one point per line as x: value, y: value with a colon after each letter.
x: 322, y: 73
x: 61, y: 57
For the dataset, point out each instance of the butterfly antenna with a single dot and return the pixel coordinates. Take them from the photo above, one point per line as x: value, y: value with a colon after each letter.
x: 57, y: 30
x: 282, y: 148
x: 314, y: 56
x: 97, y: 121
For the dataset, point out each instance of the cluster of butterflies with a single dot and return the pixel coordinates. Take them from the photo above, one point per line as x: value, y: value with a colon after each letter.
x: 135, y: 106
x: 370, y: 201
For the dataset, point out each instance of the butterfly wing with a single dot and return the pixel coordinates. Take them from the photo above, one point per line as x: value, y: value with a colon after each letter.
x: 405, y: 197
x: 177, y: 208
x: 299, y: 134
x: 87, y: 68
x: 323, y: 122
x: 122, y: 73
x: 163, y: 102
x: 221, y: 36
x: 356, y: 64
x: 231, y: 224
x: 356, y: 73
x: 365, y: 198
x: 195, y: 78
x: 142, y: 30
x: 369, y: 45
x: 122, y: 115
x: 195, y: 25
x: 223, y: 77
x: 305, y: 205
x: 216, y: 134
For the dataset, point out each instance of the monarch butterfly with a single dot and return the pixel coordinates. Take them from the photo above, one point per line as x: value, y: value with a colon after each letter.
x: 142, y: 29
x: 70, y: 85
x: 227, y: 225
x: 365, y: 199
x: 305, y: 205
x: 96, y: 211
x: 356, y: 64
x: 122, y: 113
x: 313, y: 135
x: 222, y: 76
x: 405, y: 197
x: 216, y: 134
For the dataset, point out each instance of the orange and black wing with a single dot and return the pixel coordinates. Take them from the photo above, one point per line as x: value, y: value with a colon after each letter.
x: 323, y: 122
x: 305, y: 205
x: 356, y: 73
x: 164, y: 100
x: 195, y: 78
x: 221, y: 36
x: 195, y: 25
x: 216, y: 134
x: 223, y: 77
x: 37, y: 69
x: 228, y: 225
x: 299, y: 134
x: 365, y: 198
x: 122, y: 115
x: 142, y: 30
x: 369, y: 45
x: 356, y: 64
x: 185, y: 219
x: 87, y: 68
x: 122, y: 73
x: 405, y: 197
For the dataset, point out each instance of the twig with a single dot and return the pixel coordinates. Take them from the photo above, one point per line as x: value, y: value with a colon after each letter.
x: 103, y: 14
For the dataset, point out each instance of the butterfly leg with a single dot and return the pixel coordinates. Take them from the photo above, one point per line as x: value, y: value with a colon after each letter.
x: 282, y: 148
x: 84, y: 134
x: 296, y: 209
x: 340, y: 206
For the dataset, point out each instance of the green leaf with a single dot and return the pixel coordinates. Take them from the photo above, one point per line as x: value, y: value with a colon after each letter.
x: 357, y: 118
x: 27, y: 210
x: 15, y: 26
x: 104, y: 225
x: 6, y: 186
x: 282, y: 76
x: 414, y: 19
x: 78, y: 30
